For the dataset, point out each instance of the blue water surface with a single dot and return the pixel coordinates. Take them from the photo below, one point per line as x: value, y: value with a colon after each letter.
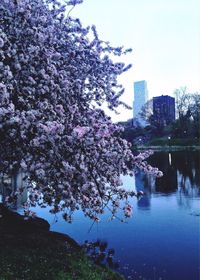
x: 162, y: 239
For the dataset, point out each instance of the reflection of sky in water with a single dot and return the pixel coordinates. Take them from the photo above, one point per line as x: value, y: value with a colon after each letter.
x: 163, y: 237
x: 162, y: 241
x: 128, y: 182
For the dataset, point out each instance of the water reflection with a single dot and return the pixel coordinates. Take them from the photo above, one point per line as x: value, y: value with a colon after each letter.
x: 180, y: 166
x: 144, y: 183
x: 181, y: 175
x: 100, y: 253
x: 10, y: 184
x: 156, y: 242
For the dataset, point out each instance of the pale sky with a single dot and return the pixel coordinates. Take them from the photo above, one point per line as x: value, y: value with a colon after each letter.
x: 164, y: 36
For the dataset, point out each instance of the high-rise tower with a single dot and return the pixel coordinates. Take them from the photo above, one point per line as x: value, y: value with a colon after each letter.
x: 140, y: 98
x: 164, y: 109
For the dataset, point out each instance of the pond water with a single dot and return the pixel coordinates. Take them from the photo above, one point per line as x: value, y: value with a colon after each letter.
x: 162, y: 239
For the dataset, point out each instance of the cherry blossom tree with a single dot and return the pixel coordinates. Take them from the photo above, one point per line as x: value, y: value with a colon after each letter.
x: 54, y: 78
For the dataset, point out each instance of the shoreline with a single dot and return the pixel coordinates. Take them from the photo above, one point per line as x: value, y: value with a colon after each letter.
x: 167, y: 148
x: 42, y: 253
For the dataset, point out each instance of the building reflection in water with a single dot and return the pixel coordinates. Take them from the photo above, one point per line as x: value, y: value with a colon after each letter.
x: 181, y: 176
x: 11, y: 184
x: 141, y: 185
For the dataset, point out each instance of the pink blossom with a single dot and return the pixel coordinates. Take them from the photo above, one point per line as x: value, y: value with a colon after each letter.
x: 128, y: 210
x: 80, y: 131
x: 23, y: 165
x: 54, y: 81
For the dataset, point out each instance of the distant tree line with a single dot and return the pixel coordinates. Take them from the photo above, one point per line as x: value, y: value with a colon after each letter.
x: 186, y: 125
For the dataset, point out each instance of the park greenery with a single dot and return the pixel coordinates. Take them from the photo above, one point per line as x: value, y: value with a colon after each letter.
x: 184, y: 131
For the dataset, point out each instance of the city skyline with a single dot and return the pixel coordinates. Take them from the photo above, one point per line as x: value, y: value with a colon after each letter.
x: 164, y: 36
x: 164, y: 110
x: 140, y: 98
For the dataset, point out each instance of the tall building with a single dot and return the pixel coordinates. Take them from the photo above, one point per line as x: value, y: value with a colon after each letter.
x: 163, y: 109
x: 140, y: 98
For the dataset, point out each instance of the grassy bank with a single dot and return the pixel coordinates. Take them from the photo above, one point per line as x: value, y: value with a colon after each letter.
x: 39, y: 256
x: 179, y: 142
x: 167, y: 148
x: 168, y: 144
x: 32, y: 253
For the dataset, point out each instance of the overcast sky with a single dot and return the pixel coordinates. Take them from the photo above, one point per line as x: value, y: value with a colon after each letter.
x: 164, y: 36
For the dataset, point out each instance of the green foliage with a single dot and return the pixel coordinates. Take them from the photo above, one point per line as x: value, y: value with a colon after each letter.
x: 174, y: 142
x: 187, y: 125
x: 39, y: 257
x: 158, y: 142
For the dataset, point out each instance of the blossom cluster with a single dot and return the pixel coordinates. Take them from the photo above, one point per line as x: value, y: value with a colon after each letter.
x: 53, y: 82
